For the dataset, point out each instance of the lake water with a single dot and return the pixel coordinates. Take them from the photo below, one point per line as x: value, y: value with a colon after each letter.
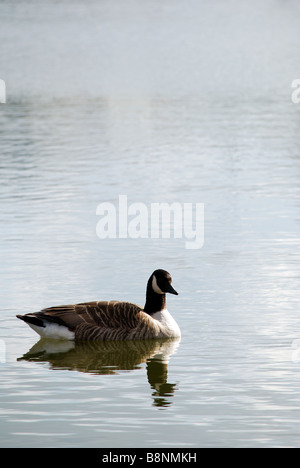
x: 162, y: 102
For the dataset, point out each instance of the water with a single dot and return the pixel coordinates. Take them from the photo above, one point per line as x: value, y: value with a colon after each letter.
x: 159, y: 102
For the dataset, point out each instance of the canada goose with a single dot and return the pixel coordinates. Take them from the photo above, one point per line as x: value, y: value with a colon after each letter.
x: 111, y: 320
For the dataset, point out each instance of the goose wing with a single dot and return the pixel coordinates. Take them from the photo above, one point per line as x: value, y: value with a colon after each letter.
x: 103, y: 320
x: 100, y: 313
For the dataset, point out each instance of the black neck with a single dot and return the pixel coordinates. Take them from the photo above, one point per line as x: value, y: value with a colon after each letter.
x: 154, y: 302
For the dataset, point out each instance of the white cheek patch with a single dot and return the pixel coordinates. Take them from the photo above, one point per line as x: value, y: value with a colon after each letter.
x: 155, y: 286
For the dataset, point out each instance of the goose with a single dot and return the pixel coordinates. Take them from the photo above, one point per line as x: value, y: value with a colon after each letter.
x: 111, y: 320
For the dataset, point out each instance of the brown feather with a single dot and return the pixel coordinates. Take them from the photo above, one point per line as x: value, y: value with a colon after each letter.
x: 104, y: 320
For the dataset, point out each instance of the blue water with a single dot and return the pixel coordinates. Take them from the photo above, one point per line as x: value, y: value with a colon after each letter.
x: 162, y: 103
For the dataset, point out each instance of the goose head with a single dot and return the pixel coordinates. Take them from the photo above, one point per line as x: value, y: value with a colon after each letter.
x: 161, y: 282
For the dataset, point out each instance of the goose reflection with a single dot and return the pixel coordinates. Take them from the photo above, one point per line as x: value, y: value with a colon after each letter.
x: 110, y: 357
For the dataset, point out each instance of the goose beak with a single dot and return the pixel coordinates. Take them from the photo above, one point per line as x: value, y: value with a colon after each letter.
x: 171, y: 290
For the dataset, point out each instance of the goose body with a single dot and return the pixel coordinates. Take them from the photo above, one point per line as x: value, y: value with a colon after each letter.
x: 111, y: 320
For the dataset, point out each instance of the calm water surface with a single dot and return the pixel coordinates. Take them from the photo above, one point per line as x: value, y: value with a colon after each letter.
x: 188, y: 103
